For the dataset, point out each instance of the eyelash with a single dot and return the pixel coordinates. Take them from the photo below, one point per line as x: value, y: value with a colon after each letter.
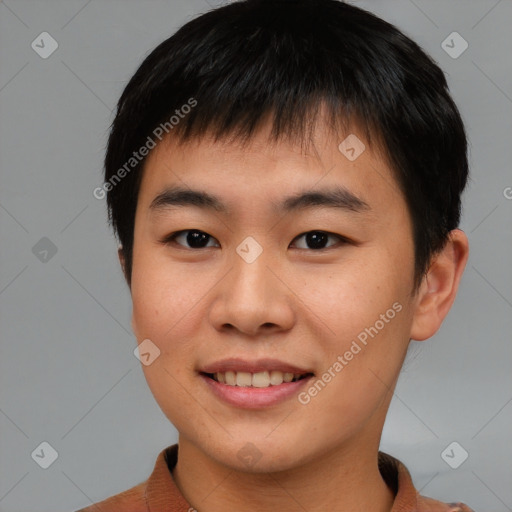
x: 171, y: 239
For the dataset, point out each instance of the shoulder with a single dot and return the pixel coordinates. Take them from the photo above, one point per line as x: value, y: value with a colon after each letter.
x: 429, y: 505
x: 407, y: 498
x: 155, y: 493
x: 132, y: 500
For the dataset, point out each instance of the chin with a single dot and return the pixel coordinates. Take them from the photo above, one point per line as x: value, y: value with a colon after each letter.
x: 257, y: 455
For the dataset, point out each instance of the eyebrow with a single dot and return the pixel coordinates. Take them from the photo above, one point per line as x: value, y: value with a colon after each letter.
x: 334, y: 197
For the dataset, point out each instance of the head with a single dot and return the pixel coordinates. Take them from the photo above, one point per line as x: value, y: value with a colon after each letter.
x: 221, y: 129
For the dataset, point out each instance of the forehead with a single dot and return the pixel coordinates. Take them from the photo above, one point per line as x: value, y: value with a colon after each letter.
x: 262, y: 169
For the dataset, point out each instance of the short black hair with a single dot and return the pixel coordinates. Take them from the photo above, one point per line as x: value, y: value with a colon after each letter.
x: 246, y: 60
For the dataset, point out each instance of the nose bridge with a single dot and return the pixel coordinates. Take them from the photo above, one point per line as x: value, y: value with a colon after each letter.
x: 251, y: 296
x: 250, y: 277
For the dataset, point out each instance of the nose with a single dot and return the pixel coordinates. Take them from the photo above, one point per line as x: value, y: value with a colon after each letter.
x: 252, y: 299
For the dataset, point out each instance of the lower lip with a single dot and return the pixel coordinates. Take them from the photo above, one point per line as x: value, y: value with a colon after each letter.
x: 255, y: 398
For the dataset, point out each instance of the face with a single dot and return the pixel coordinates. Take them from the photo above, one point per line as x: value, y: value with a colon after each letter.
x: 260, y: 282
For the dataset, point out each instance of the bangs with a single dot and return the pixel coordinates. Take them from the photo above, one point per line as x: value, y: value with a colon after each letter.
x: 282, y: 68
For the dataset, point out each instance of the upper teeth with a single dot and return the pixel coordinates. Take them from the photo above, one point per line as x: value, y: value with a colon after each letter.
x: 257, y: 380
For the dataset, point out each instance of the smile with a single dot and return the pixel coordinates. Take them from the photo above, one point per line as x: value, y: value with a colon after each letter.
x: 262, y: 379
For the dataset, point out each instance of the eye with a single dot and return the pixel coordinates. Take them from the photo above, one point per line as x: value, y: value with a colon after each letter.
x: 195, y: 238
x: 318, y: 239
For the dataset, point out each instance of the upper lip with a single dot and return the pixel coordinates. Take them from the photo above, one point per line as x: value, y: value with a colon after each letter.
x: 256, y: 366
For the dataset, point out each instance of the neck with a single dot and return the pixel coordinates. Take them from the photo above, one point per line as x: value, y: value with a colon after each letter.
x: 340, y: 481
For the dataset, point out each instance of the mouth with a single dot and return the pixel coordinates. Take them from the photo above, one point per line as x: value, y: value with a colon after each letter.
x: 263, y: 379
x: 254, y: 384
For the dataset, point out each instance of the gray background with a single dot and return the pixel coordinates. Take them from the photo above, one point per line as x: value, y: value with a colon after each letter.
x: 68, y: 373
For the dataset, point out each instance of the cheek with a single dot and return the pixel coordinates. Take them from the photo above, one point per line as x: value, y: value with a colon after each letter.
x: 356, y: 293
x: 167, y: 309
x: 159, y: 293
x: 163, y: 313
x: 365, y: 308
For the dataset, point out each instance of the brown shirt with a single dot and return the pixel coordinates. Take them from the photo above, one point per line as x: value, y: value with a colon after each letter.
x: 160, y: 494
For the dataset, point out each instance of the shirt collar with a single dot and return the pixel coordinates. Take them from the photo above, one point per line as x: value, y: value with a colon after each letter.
x: 162, y: 493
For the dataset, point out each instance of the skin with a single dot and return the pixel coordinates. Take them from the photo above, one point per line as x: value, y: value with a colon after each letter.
x: 295, y: 303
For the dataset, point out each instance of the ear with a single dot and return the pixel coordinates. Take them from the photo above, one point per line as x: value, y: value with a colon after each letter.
x: 122, y: 261
x: 439, y: 287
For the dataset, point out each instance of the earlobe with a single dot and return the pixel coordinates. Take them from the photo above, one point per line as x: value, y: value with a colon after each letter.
x: 439, y: 287
x: 122, y: 261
